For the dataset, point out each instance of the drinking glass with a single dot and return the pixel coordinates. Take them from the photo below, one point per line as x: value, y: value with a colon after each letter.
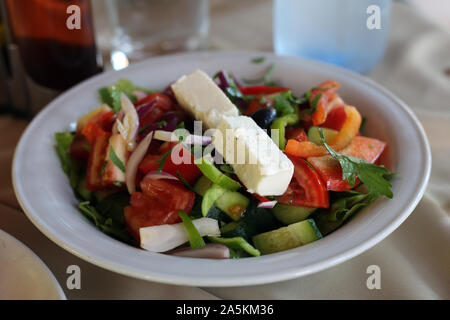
x: 143, y: 28
x: 348, y: 33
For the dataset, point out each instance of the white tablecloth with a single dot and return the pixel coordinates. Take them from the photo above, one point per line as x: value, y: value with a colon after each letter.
x: 414, y: 260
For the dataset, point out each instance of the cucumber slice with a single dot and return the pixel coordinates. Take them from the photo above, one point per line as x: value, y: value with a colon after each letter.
x: 233, y: 204
x: 291, y: 214
x: 286, y: 238
x: 202, y: 185
x: 213, y: 193
x: 216, y: 176
x: 314, y: 135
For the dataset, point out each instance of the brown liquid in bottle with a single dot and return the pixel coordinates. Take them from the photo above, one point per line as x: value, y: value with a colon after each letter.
x: 53, y: 55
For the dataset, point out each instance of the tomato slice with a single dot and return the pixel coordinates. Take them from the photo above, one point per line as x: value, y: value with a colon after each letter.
x: 189, y: 171
x: 260, y: 198
x: 330, y: 170
x: 151, y: 108
x: 80, y: 147
x: 161, y: 100
x: 298, y: 134
x: 96, y: 159
x: 306, y: 188
x: 157, y: 204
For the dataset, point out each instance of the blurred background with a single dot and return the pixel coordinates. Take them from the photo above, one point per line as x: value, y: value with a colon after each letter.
x: 116, y: 33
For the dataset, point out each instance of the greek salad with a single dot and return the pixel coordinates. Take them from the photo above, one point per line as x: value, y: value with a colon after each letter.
x: 216, y: 167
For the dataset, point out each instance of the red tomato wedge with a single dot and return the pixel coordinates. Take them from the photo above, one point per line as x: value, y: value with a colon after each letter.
x: 330, y: 170
x: 157, y: 204
x: 151, y: 108
x: 260, y: 198
x: 306, y: 188
x: 80, y: 147
x: 254, y: 106
x: 97, y: 159
x: 189, y: 171
x: 162, y: 101
x: 297, y: 134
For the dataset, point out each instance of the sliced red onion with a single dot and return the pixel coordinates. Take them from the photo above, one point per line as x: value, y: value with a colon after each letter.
x: 194, y: 139
x: 210, y: 251
x: 130, y: 122
x: 267, y: 204
x: 139, y: 94
x: 156, y: 175
x: 134, y: 161
x: 145, y: 108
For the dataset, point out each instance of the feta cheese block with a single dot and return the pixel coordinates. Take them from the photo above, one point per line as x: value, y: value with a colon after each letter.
x: 198, y: 94
x: 260, y: 165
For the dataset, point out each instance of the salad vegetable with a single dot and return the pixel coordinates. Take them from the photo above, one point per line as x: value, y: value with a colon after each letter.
x: 275, y: 172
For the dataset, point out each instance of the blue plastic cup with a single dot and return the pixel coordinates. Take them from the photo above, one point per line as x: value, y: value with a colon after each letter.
x: 349, y: 33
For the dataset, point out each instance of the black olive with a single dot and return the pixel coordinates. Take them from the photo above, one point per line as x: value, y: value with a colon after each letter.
x: 264, y: 117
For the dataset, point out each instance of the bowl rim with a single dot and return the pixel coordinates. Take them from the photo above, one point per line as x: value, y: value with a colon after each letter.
x: 208, y: 281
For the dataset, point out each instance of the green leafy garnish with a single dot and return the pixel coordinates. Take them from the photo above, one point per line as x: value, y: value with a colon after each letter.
x: 195, y: 239
x: 258, y: 60
x: 116, y: 160
x: 111, y: 95
x: 104, y: 223
x: 265, y: 79
x: 187, y: 184
x: 344, y: 205
x: 315, y: 101
x: 163, y: 159
x: 373, y: 176
x: 63, y: 142
x: 162, y: 123
x: 180, y: 125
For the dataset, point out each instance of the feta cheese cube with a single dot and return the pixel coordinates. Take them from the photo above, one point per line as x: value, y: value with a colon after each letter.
x: 198, y: 94
x: 260, y: 165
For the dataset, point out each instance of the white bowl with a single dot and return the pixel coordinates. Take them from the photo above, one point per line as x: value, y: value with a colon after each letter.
x: 23, y: 276
x: 46, y: 197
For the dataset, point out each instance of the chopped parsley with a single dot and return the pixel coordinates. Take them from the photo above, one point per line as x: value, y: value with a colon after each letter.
x: 116, y: 160
x: 374, y: 177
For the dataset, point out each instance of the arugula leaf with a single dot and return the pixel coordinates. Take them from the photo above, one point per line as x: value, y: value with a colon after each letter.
x: 195, y: 239
x: 111, y: 95
x: 373, y: 176
x: 106, y: 224
x: 344, y: 205
x: 282, y: 103
x: 116, y: 160
x: 63, y: 142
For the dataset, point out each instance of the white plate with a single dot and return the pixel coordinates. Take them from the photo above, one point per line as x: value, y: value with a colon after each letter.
x: 23, y: 275
x: 46, y: 197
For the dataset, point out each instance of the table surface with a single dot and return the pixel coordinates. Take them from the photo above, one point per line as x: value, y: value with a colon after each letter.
x: 414, y: 260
